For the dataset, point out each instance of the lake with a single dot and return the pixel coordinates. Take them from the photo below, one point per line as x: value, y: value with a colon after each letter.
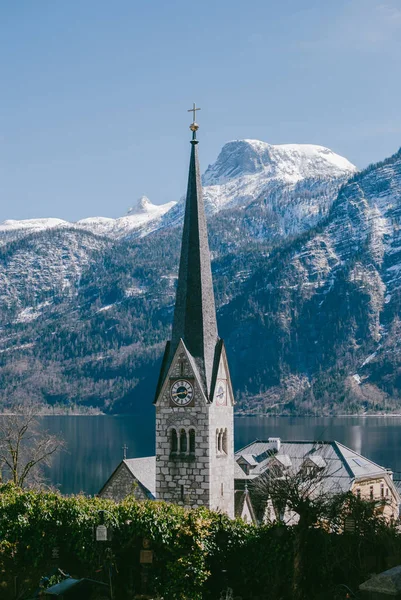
x: 94, y: 443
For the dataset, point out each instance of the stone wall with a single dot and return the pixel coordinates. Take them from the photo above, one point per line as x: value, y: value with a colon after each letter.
x: 188, y: 470
x: 207, y: 476
x: 222, y: 463
x: 121, y: 484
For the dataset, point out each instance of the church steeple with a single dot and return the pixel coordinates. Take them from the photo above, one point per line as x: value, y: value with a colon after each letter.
x: 194, y: 397
x: 195, y: 312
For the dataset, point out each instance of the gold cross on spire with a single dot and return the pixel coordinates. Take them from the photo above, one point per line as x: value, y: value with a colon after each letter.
x: 193, y: 110
x: 194, y: 126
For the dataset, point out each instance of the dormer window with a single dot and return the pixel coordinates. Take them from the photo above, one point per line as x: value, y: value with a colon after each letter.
x: 279, y: 463
x: 245, y: 468
x: 313, y: 464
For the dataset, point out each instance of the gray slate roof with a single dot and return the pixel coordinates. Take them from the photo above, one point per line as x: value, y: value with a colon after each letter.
x: 195, y: 312
x: 144, y: 470
x: 343, y: 464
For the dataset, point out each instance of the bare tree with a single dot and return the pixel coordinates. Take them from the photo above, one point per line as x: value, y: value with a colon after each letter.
x: 300, y: 494
x: 25, y: 448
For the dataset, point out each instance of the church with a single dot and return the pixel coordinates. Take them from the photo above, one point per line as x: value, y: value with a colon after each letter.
x: 195, y: 464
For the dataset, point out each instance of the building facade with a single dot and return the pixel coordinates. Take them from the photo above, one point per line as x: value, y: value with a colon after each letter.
x: 338, y: 469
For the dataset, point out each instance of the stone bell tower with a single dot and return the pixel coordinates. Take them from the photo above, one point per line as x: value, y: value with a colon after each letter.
x: 194, y: 398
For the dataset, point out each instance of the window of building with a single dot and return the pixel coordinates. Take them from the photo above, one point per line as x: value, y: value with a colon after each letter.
x: 182, y: 493
x: 222, y: 489
x: 219, y: 441
x: 387, y: 493
x: 192, y: 441
x: 358, y: 492
x: 183, y: 441
x: 245, y: 468
x: 371, y: 492
x: 173, y: 440
x: 224, y: 441
x: 382, y: 490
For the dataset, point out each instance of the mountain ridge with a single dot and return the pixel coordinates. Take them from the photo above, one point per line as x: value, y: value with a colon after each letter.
x: 309, y: 309
x: 145, y: 217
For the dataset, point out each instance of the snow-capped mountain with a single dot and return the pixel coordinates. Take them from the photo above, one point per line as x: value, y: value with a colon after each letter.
x: 293, y: 184
x: 85, y: 308
x: 277, y: 189
x: 329, y: 304
x: 246, y: 169
x: 142, y: 218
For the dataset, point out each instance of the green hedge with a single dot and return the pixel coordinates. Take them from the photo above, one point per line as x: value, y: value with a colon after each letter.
x: 196, y: 552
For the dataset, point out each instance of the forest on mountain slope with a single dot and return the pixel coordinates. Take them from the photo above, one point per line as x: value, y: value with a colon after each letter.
x: 311, y: 322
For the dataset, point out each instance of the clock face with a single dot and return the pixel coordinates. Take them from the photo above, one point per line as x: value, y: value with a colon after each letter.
x: 221, y: 397
x: 181, y: 392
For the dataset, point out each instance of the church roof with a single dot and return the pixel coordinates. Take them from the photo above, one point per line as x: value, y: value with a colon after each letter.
x: 144, y: 470
x: 195, y: 313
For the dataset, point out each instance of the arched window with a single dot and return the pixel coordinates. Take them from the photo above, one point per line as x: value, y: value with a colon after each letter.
x: 173, y: 440
x: 220, y: 447
x: 224, y: 442
x: 183, y: 441
x: 217, y: 441
x: 192, y: 441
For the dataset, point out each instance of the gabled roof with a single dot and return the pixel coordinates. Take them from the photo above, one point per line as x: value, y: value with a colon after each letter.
x: 144, y: 470
x: 284, y: 459
x: 358, y: 464
x: 242, y: 497
x: 317, y: 461
x: 343, y: 464
x: 167, y: 364
x: 248, y: 458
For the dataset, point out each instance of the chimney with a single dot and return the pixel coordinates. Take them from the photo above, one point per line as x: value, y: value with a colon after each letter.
x: 275, y: 442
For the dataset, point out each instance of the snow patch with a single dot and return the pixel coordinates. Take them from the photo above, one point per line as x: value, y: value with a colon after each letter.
x: 104, y: 308
x: 134, y: 291
x: 31, y: 224
x: 369, y: 359
x: 31, y: 313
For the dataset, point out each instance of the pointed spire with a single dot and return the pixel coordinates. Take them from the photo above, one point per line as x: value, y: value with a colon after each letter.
x: 195, y: 312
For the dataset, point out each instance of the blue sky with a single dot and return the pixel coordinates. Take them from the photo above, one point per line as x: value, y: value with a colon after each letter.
x: 94, y: 94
